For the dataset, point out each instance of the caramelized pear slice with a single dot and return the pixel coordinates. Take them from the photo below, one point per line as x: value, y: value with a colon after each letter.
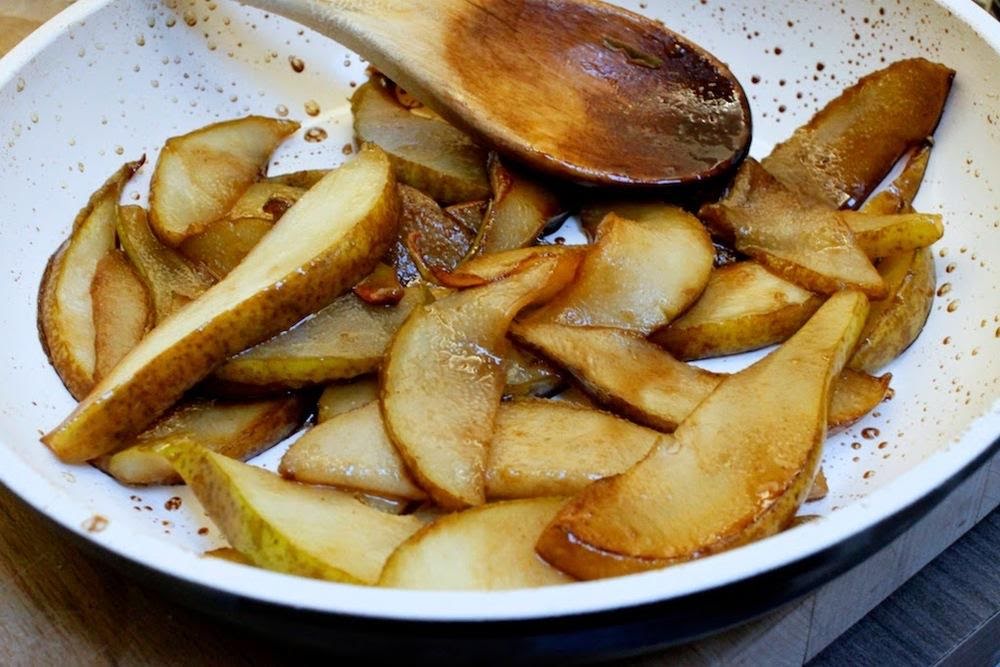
x: 527, y: 375
x: 884, y: 235
x: 224, y: 244
x: 353, y: 451
x: 339, y: 398
x: 634, y: 377
x: 429, y: 240
x: 850, y: 145
x: 238, y: 430
x: 65, y: 305
x: 200, y: 175
x: 638, y: 275
x: 290, y: 527
x: 469, y: 214
x: 805, y: 243
x: 381, y: 287
x: 172, y: 281
x: 123, y: 312
x: 324, y: 244
x: 304, y: 179
x: 265, y: 201
x: 735, y: 471
x: 744, y: 307
x: 517, y: 214
x: 485, y: 548
x: 899, y: 196
x: 494, y: 266
x: 346, y: 339
x: 427, y: 154
x: 456, y: 346
x: 895, y: 323
x: 544, y: 448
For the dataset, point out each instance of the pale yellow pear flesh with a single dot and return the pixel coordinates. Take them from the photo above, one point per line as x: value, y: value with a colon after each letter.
x: 332, y: 237
x: 884, y: 235
x: 736, y: 470
x: 123, y: 311
x: 456, y: 346
x: 289, y: 527
x: 339, y: 398
x: 484, y: 548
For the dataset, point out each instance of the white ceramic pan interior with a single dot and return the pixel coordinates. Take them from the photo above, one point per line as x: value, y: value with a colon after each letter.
x: 106, y: 82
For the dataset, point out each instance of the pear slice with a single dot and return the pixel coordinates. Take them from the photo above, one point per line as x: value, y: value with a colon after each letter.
x: 895, y: 323
x: 884, y: 235
x: 493, y: 266
x: 353, y: 451
x: 290, y: 527
x: 485, y: 548
x: 899, y: 196
x: 331, y: 238
x: 123, y: 312
x: 428, y: 239
x: 65, y: 305
x: 736, y: 470
x: 172, y: 281
x: 381, y: 287
x: 744, y: 307
x: 346, y: 339
x: 224, y: 243
x: 527, y: 375
x: 548, y: 448
x: 634, y: 377
x: 339, y: 398
x: 638, y: 275
x: 239, y: 430
x: 469, y: 214
x: 200, y: 175
x: 443, y: 378
x: 848, y: 147
x: 304, y: 179
x: 427, y: 154
x: 803, y: 242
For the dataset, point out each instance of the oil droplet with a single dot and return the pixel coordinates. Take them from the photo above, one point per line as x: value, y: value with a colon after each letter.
x: 119, y: 150
x: 203, y: 531
x: 856, y: 459
x: 883, y: 444
x: 95, y: 524
x: 869, y: 474
x: 315, y: 134
x: 870, y: 433
x: 297, y: 63
x: 944, y: 289
x: 151, y: 21
x: 34, y: 118
x: 171, y: 21
x: 950, y: 268
x: 946, y: 340
x: 281, y: 110
x: 312, y: 107
x: 190, y: 18
x: 347, y: 149
x: 953, y: 306
x: 20, y: 84
x: 855, y: 445
x: 172, y: 504
x: 141, y: 40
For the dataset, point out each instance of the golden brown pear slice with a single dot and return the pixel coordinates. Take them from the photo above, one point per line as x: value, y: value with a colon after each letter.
x: 899, y: 196
x: 469, y: 214
x: 171, y: 280
x: 494, y: 266
x: 123, y: 311
x: 427, y: 154
x: 443, y: 378
x: 237, y: 430
x: 339, y: 398
x: 527, y: 375
x: 551, y: 447
x: 849, y: 146
x: 895, y: 323
x: 428, y: 240
x: 304, y: 179
x: 485, y: 548
x: 747, y: 472
x: 332, y: 237
x: 736, y: 470
x: 224, y: 243
x: 803, y: 242
x: 884, y: 235
x: 517, y: 214
x: 65, y: 304
x: 200, y: 175
x: 638, y: 275
x: 381, y: 287
x: 744, y: 307
x: 351, y: 450
x: 290, y: 527
x: 346, y: 339
x: 634, y: 377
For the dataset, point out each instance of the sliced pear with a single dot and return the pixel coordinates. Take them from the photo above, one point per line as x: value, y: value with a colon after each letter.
x: 849, y: 146
x: 337, y: 399
x: 545, y: 448
x: 895, y: 323
x: 427, y: 154
x: 224, y: 244
x: 819, y: 489
x: 65, y: 305
x: 381, y: 287
x: 469, y: 214
x: 456, y: 346
x: 324, y: 244
x: 635, y: 378
x: 346, y: 339
x: 290, y: 527
x: 517, y: 214
x: 638, y: 274
x: 123, y: 311
x: 803, y: 242
x: 485, y: 548
x: 736, y: 470
x: 229, y: 554
x: 304, y: 179
x: 744, y: 307
x: 899, y: 196
x: 494, y: 266
x: 266, y: 200
x: 884, y: 235
x: 351, y: 450
x: 172, y: 281
x: 200, y: 175
x: 527, y: 375
x: 238, y: 430
x: 428, y: 239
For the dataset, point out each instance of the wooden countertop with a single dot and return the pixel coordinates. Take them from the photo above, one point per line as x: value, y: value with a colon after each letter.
x: 60, y: 606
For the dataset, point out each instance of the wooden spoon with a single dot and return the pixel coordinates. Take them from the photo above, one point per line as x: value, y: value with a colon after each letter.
x: 577, y: 89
